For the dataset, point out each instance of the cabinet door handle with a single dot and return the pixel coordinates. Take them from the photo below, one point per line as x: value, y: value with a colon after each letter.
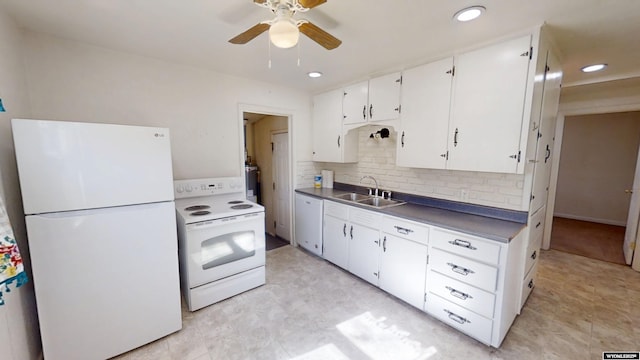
x: 351, y: 232
x: 403, y: 231
x: 338, y: 140
x: 364, y: 112
x: 534, y: 255
x: 459, y: 294
x: 463, y: 243
x: 455, y: 138
x: 402, y: 139
x: 548, y: 154
x: 344, y: 230
x: 538, y: 224
x: 457, y: 318
x: 384, y: 244
x: 370, y: 111
x: 460, y: 270
x: 530, y: 285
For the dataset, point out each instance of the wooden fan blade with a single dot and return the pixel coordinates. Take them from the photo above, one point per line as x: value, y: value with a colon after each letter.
x: 320, y: 36
x: 250, y: 34
x: 259, y: 1
x: 311, y: 3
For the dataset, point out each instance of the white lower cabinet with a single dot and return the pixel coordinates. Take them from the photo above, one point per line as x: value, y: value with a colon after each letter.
x: 335, y: 240
x: 403, y: 260
x: 364, y: 244
x: 468, y: 282
x: 473, y: 284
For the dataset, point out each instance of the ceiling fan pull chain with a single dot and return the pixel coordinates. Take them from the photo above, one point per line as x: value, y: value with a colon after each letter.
x: 269, y: 41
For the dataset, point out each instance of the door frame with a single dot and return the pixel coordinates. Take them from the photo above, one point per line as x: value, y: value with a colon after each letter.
x: 268, y: 110
x: 555, y: 164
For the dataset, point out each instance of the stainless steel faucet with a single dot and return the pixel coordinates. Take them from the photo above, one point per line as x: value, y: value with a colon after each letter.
x: 374, y: 180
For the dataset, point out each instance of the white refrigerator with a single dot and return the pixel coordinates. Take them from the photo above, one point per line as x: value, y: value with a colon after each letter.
x: 100, y: 216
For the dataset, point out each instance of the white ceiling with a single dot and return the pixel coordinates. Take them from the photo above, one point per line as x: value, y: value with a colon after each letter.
x: 377, y: 36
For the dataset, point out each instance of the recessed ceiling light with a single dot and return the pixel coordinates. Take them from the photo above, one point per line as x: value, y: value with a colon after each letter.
x: 592, y: 68
x: 470, y: 13
x: 314, y: 74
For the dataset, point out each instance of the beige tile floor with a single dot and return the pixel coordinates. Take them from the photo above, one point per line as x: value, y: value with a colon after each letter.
x: 310, y: 309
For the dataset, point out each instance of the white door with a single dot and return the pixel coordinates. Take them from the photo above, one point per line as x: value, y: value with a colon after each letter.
x: 363, y: 252
x: 426, y: 95
x: 335, y: 241
x: 282, y: 194
x: 403, y: 267
x: 327, y: 126
x: 106, y: 280
x: 630, y: 236
x: 354, y: 103
x: 384, y: 97
x: 487, y: 108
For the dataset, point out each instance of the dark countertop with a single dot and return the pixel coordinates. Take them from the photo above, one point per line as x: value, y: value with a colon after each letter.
x: 485, y: 227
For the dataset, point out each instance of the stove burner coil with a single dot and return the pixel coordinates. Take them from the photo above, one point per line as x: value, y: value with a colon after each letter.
x: 197, y: 207
x: 200, y: 213
x: 241, y: 206
x: 235, y: 202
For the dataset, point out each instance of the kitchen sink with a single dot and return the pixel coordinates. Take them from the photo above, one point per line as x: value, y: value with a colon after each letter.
x: 352, y: 197
x: 379, y: 202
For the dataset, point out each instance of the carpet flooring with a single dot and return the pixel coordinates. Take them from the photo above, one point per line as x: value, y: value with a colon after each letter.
x: 592, y: 240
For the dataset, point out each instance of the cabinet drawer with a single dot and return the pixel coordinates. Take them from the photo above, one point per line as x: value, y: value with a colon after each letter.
x: 463, y: 269
x: 466, y: 245
x: 532, y: 254
x: 474, y: 325
x: 536, y: 224
x: 336, y: 210
x: 365, y: 217
x: 528, y: 284
x: 405, y: 229
x: 467, y: 296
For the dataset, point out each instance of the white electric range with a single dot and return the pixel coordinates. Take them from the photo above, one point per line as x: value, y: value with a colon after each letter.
x: 221, y: 239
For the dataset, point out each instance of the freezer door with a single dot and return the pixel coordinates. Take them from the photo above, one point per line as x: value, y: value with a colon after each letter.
x: 106, y: 281
x: 72, y: 166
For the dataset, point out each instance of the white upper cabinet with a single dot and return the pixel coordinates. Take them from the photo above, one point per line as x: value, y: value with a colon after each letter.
x: 487, y: 107
x: 426, y: 93
x: 355, y: 103
x: 384, y: 97
x: 375, y: 100
x: 330, y: 143
x: 546, y: 131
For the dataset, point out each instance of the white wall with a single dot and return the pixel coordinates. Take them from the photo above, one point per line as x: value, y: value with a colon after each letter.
x: 19, y: 334
x: 72, y: 81
x: 597, y: 164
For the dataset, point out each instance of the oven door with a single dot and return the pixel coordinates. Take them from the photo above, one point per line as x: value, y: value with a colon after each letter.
x: 220, y: 248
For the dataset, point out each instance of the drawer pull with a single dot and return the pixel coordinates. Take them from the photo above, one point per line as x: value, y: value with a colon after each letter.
x: 458, y: 294
x: 457, y: 318
x: 530, y: 285
x: 403, y: 231
x: 534, y: 255
x: 460, y: 270
x: 463, y: 243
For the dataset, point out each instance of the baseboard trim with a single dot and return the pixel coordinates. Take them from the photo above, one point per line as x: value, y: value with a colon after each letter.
x: 590, y: 219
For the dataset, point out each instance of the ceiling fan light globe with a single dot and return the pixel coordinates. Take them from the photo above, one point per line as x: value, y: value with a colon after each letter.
x: 284, y: 34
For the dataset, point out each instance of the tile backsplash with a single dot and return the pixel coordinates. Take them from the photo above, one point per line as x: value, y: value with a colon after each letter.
x: 376, y: 157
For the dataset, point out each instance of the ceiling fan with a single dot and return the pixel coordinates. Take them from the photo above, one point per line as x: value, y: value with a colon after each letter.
x: 284, y: 31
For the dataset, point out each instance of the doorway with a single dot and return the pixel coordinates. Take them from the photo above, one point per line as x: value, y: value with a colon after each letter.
x: 596, y: 173
x: 269, y: 160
